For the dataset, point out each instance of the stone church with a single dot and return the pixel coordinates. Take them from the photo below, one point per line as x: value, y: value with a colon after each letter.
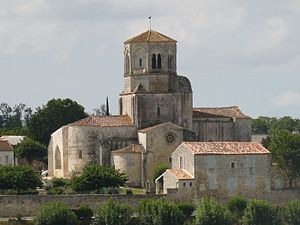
x: 156, y: 115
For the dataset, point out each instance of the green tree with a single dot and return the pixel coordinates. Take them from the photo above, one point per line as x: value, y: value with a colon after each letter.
x: 30, y: 149
x: 160, y: 212
x: 112, y: 213
x: 53, y: 115
x: 159, y: 170
x: 20, y: 178
x: 291, y: 213
x: 56, y: 213
x: 285, y: 151
x: 210, y: 212
x: 95, y: 177
x: 259, y: 212
x: 237, y: 205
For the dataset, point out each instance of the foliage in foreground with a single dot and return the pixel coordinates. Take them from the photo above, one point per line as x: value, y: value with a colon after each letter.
x: 19, y: 178
x: 291, y: 213
x: 112, y: 213
x: 259, y: 212
x: 56, y: 213
x: 160, y: 212
x: 95, y: 177
x: 211, y: 212
x: 159, y: 170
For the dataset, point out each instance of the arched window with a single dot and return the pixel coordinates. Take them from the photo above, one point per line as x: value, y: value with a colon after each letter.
x: 170, y: 59
x: 57, y: 158
x: 158, y: 61
x: 140, y: 62
x: 79, y: 154
x: 158, y: 111
x: 127, y: 64
x: 153, y: 61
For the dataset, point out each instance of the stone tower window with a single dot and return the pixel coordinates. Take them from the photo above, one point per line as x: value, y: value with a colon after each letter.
x: 80, y: 154
x: 153, y: 61
x: 158, y: 111
x: 158, y: 61
x: 140, y: 62
x: 127, y: 64
x: 57, y: 158
x: 181, y: 162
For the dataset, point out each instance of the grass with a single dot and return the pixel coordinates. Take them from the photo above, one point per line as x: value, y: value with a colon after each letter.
x: 135, y: 191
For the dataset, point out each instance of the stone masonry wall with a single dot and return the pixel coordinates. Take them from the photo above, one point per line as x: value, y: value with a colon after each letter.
x: 29, y: 205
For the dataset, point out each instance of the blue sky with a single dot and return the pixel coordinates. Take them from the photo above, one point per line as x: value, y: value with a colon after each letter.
x: 235, y: 52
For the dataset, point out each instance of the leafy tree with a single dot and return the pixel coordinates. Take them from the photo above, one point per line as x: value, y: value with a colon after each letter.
x: 160, y: 212
x: 291, y: 213
x: 53, y: 115
x: 237, y: 205
x: 20, y: 178
x: 112, y: 213
x: 159, y: 170
x: 103, y: 109
x: 285, y: 151
x: 259, y: 212
x: 56, y: 213
x: 187, y: 209
x: 30, y: 149
x: 210, y: 212
x: 95, y: 177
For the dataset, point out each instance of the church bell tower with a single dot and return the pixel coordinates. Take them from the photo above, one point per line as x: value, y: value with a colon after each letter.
x: 153, y: 92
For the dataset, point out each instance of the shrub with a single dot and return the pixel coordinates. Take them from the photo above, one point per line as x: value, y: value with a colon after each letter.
x: 56, y: 213
x: 83, y: 212
x: 291, y: 213
x: 259, y: 212
x: 159, y: 170
x: 210, y: 212
x: 19, y: 178
x: 129, y: 192
x: 160, y: 212
x: 237, y: 205
x: 95, y: 177
x: 187, y: 209
x: 112, y: 213
x: 58, y: 182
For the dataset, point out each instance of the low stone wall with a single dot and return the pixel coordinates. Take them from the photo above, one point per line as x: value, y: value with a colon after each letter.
x: 29, y: 205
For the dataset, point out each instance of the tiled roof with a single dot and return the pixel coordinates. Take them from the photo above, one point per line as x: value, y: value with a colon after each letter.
x: 5, y: 146
x: 104, y: 121
x: 150, y: 36
x: 230, y: 111
x: 180, y: 174
x: 145, y: 130
x: 226, y: 148
x: 134, y: 148
x: 12, y: 139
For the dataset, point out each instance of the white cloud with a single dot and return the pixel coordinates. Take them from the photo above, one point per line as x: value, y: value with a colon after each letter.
x: 288, y: 98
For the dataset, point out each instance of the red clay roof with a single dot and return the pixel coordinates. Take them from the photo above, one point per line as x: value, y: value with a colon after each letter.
x: 226, y: 148
x: 150, y: 36
x: 5, y: 146
x: 180, y: 174
x: 104, y: 121
x: 230, y: 111
x: 134, y: 148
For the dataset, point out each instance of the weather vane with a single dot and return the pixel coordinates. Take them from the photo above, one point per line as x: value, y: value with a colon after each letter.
x: 149, y: 22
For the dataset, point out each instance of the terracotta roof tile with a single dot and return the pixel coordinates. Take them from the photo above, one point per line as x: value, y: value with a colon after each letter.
x: 226, y: 148
x: 150, y: 36
x: 5, y: 146
x: 180, y: 174
x: 230, y: 111
x: 104, y: 121
x: 134, y: 148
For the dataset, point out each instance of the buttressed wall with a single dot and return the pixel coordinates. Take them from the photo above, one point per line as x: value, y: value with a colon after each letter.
x: 153, y: 92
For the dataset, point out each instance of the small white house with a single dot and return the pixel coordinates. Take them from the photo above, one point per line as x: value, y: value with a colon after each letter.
x: 221, y: 168
x: 6, y: 153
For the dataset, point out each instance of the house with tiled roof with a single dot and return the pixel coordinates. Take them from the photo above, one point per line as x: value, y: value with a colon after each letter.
x: 218, y: 168
x: 156, y: 115
x: 6, y: 153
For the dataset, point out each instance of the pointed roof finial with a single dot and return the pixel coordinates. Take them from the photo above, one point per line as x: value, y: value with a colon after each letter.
x: 150, y: 17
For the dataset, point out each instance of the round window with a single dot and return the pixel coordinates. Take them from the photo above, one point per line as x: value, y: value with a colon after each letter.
x: 170, y: 137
